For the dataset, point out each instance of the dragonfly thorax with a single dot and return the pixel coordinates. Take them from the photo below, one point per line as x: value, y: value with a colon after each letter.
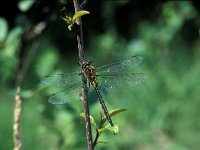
x: 90, y: 73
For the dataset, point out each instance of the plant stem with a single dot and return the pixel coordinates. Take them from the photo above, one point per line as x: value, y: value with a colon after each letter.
x: 96, y: 137
x: 17, y: 120
x: 83, y: 4
x: 84, y: 81
x: 24, y: 61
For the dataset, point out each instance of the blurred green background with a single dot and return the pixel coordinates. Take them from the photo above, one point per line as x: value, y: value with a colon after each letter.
x: 162, y: 113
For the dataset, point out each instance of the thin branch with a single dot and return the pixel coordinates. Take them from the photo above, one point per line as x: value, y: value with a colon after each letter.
x: 84, y: 81
x: 97, y: 132
x: 82, y: 5
x: 23, y: 65
x: 96, y: 137
x: 17, y: 119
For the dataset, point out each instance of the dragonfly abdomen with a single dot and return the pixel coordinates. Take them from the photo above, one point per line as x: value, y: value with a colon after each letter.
x: 105, y: 110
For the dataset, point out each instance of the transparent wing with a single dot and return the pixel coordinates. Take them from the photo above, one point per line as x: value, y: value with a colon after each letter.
x: 66, y: 95
x: 120, y: 65
x: 118, y: 82
x: 61, y: 79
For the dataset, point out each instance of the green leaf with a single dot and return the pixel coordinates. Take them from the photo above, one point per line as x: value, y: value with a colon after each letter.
x: 116, y: 111
x: 102, y: 142
x: 112, y: 113
x: 68, y: 19
x: 101, y: 130
x: 114, y: 129
x: 24, y: 5
x: 13, y: 41
x: 82, y: 114
x: 78, y: 14
x: 3, y: 28
x: 92, y: 121
x: 70, y: 27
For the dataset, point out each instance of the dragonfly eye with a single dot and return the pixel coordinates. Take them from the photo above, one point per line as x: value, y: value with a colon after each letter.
x: 85, y: 63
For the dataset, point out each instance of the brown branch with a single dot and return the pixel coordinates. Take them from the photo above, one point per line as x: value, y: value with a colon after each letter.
x: 84, y: 81
x: 23, y: 65
x: 17, y: 120
x: 22, y: 68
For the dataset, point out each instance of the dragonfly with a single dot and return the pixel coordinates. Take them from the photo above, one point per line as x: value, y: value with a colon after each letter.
x: 110, y: 77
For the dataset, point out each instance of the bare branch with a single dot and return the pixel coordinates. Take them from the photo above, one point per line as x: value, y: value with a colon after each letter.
x: 83, y: 4
x: 17, y: 120
x: 84, y: 81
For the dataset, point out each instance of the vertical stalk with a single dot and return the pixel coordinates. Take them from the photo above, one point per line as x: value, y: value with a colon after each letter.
x: 84, y: 81
x: 17, y: 121
x: 23, y: 65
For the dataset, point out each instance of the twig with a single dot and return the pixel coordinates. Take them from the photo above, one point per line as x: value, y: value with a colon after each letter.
x: 97, y: 132
x: 24, y: 63
x: 96, y: 137
x: 84, y: 81
x: 82, y: 5
x: 17, y: 120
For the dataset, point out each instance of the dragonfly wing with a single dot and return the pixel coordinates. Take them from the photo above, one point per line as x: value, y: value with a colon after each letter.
x: 118, y: 82
x: 120, y: 65
x: 61, y: 79
x: 66, y: 95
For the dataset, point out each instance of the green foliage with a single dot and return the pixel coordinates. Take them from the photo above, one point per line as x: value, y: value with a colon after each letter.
x: 114, y: 129
x: 24, y: 5
x: 3, y: 29
x: 112, y: 113
x: 8, y: 51
x: 102, y: 127
x: 162, y: 113
x: 71, y: 21
x: 47, y: 60
x: 78, y: 14
x: 12, y: 41
x: 92, y: 121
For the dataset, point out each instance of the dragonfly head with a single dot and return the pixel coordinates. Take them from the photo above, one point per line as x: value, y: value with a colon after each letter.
x: 85, y: 64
